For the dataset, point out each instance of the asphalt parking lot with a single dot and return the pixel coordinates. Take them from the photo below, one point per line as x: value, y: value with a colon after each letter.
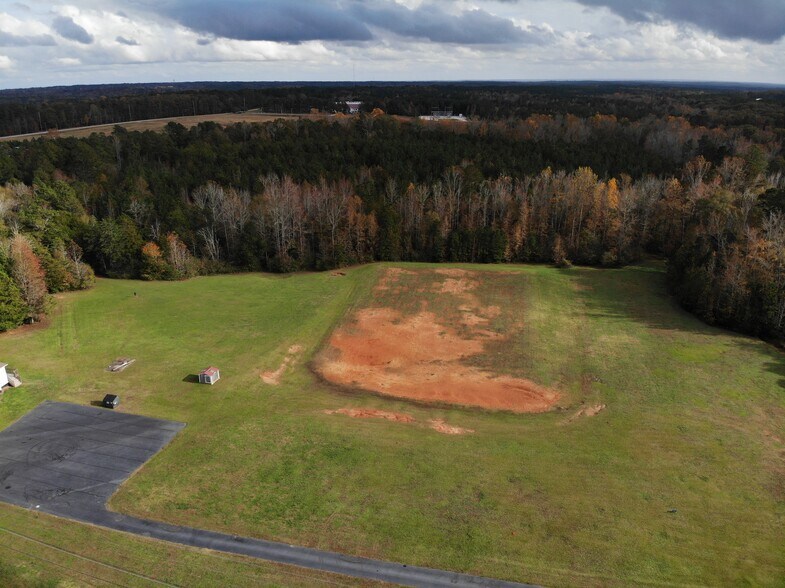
x: 68, y: 459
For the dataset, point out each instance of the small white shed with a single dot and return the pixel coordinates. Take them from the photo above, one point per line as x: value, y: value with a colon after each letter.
x: 209, y: 376
x: 3, y: 375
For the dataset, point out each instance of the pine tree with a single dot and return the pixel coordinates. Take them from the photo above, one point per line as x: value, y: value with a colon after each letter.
x: 13, y: 309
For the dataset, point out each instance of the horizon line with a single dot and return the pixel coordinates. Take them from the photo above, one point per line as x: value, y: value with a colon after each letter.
x: 660, y: 81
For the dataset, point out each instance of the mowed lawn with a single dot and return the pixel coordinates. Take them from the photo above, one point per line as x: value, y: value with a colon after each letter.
x: 694, y: 423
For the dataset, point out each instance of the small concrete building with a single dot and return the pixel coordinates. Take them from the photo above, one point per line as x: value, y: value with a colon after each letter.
x: 3, y: 375
x: 209, y: 376
x: 353, y: 106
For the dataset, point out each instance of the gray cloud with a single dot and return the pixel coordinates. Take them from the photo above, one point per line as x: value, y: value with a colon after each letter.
x: 758, y: 20
x: 296, y: 21
x: 66, y: 27
x: 124, y: 41
x: 474, y: 27
x: 287, y: 21
x: 11, y: 40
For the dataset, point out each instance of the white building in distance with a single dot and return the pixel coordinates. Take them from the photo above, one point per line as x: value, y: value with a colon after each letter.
x: 443, y: 114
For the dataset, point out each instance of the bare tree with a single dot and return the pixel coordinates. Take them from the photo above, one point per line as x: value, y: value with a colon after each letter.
x: 81, y: 270
x: 695, y: 171
x: 139, y: 210
x: 235, y: 212
x: 627, y: 209
x: 178, y: 255
x: 282, y: 201
x: 155, y: 229
x: 211, y: 245
x: 453, y: 191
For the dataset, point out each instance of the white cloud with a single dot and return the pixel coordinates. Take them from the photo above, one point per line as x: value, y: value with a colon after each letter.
x: 27, y: 26
x: 578, y: 43
x: 66, y: 61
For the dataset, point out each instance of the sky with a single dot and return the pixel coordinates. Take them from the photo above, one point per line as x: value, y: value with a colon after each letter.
x: 65, y: 42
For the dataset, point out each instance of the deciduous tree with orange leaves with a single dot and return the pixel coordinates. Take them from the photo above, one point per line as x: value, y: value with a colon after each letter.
x: 28, y: 275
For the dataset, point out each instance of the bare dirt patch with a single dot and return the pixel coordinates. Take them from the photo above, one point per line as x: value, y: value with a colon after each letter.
x: 390, y: 277
x: 586, y: 411
x: 454, y: 272
x: 442, y: 427
x: 369, y: 413
x: 424, y: 355
x: 273, y: 378
x: 438, y: 425
x: 456, y: 286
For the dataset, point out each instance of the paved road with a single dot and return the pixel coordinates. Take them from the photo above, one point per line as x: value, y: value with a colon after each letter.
x: 358, y: 567
x: 67, y: 460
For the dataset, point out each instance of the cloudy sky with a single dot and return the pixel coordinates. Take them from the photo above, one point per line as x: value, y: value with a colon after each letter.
x: 54, y: 42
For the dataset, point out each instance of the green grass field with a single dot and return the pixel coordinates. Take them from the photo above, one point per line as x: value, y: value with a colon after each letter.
x: 45, y: 551
x: 695, y: 421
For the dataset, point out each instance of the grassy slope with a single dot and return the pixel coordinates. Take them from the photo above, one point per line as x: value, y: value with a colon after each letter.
x: 692, y: 423
x: 41, y: 550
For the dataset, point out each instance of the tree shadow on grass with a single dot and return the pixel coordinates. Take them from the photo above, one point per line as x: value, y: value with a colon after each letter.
x: 636, y: 293
x: 639, y: 294
x: 778, y: 367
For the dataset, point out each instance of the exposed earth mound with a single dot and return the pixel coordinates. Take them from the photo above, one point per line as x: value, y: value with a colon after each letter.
x: 425, y: 354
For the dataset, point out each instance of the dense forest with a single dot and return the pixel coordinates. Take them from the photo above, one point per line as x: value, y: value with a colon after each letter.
x: 39, y: 109
x: 293, y: 195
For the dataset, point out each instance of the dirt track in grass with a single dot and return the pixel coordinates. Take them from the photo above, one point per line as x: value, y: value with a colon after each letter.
x: 422, y: 349
x: 273, y: 377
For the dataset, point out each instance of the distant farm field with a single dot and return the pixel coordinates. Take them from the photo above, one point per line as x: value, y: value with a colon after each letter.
x: 660, y: 458
x: 158, y: 124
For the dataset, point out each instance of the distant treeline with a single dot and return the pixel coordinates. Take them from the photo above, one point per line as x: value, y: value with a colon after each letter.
x: 293, y: 195
x: 26, y: 111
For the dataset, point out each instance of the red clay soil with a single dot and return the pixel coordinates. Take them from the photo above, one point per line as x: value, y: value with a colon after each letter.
x: 417, y: 358
x: 369, y: 413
